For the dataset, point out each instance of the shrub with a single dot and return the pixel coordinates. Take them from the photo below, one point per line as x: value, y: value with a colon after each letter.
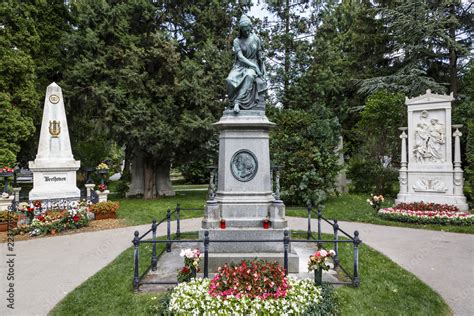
x: 5, y: 217
x: 104, y: 207
x: 304, y: 144
x: 371, y: 169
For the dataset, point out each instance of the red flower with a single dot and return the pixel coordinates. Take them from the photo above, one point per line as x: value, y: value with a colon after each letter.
x: 75, y: 218
x: 30, y: 209
x: 40, y: 218
x: 185, y: 269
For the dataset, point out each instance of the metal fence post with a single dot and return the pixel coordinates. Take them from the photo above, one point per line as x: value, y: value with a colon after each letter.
x: 168, y: 230
x: 336, y: 243
x: 319, y: 222
x: 206, y: 253
x: 154, y: 259
x: 308, y: 236
x: 178, y: 226
x: 356, y: 241
x: 286, y: 245
x: 136, y: 243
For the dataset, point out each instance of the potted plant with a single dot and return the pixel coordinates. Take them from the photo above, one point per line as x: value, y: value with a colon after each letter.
x: 318, y: 263
x: 266, y: 223
x: 376, y: 202
x: 6, y: 218
x: 222, y: 223
x: 191, y: 264
x: 105, y: 210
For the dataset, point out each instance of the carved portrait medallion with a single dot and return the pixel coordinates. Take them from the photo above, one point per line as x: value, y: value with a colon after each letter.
x: 244, y: 165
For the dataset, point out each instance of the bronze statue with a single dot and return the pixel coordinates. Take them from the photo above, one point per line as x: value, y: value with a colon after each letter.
x: 246, y: 84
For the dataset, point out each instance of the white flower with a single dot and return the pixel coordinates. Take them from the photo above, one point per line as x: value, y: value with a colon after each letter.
x: 323, y: 253
x: 5, y: 195
x: 332, y: 253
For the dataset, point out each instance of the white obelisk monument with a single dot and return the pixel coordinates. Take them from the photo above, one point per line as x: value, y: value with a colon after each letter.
x: 54, y: 169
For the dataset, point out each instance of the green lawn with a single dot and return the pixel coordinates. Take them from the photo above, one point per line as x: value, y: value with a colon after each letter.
x: 386, y: 289
x: 347, y: 207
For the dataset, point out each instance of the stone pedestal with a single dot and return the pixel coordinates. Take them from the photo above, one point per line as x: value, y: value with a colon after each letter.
x: 16, y: 194
x: 102, y: 195
x: 89, y: 188
x: 54, y: 169
x: 244, y: 196
x: 6, y: 202
x: 430, y: 176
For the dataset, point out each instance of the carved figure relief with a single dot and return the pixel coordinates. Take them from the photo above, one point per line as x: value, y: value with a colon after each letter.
x: 429, y: 140
x: 54, y: 128
x: 244, y: 165
x: 430, y: 185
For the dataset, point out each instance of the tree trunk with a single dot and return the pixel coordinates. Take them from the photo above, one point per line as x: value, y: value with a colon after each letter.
x: 136, y: 173
x: 163, y: 181
x: 150, y: 180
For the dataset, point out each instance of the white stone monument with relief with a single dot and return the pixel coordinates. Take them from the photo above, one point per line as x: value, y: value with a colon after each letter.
x: 54, y: 169
x: 429, y: 174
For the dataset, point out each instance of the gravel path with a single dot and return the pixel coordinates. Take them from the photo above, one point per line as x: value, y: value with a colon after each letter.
x: 46, y: 269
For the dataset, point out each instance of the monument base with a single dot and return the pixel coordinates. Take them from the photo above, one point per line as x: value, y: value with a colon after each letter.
x: 221, y: 253
x: 456, y: 200
x: 58, y: 182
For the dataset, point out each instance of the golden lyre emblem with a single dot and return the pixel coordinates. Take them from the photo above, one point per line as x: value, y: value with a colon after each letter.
x: 53, y: 98
x: 55, y: 128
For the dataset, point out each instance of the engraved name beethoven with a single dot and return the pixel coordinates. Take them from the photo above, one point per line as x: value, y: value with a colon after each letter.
x: 54, y: 179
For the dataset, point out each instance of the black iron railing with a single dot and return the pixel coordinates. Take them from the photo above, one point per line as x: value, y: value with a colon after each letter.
x: 286, y: 240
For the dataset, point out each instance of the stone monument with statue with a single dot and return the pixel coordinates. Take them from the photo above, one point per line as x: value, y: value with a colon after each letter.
x: 243, y: 204
x: 54, y: 169
x: 429, y: 175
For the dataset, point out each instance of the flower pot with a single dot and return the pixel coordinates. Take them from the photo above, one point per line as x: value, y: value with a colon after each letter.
x: 4, y: 226
x: 99, y: 216
x: 318, y: 276
x: 222, y: 224
x: 266, y: 224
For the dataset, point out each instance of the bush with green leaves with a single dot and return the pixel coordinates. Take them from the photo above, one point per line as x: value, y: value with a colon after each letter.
x: 303, y: 144
x: 373, y: 168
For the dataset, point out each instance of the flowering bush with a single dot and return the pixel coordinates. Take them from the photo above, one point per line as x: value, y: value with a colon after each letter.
x: 252, y: 279
x: 51, y: 221
x: 376, y: 201
x: 191, y: 264
x: 319, y: 260
x: 102, y: 166
x: 105, y: 207
x: 5, y: 216
x: 26, y: 209
x: 6, y: 170
x: 427, y: 213
x: 194, y: 298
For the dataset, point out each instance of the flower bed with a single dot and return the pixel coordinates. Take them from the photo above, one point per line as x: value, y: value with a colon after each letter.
x: 427, y: 213
x: 51, y: 221
x: 194, y: 298
x: 254, y: 287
